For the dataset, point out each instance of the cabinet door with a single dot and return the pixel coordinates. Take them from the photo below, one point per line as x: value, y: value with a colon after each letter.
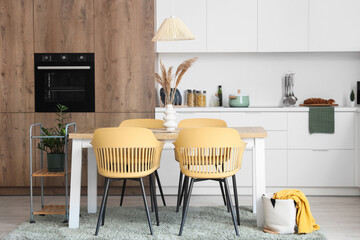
x: 276, y: 168
x: 232, y: 26
x: 193, y: 14
x: 333, y: 25
x: 300, y: 138
x: 14, y: 149
x: 313, y: 168
x: 64, y: 26
x: 282, y: 25
x: 124, y: 56
x: 16, y: 56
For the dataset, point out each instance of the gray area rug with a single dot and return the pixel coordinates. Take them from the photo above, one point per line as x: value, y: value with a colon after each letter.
x: 131, y: 223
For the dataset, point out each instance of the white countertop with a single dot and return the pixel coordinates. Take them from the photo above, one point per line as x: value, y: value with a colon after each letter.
x: 252, y: 109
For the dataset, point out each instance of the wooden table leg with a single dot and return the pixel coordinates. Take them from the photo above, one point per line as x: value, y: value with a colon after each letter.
x: 259, y: 184
x: 75, y: 184
x: 92, y: 182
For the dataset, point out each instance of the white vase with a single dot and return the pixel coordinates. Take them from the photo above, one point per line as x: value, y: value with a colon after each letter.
x: 169, y: 118
x: 352, y: 104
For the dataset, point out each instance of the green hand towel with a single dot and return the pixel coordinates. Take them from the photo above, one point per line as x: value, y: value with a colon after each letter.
x: 321, y: 120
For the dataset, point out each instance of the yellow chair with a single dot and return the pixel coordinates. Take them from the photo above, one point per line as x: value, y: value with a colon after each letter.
x: 144, y: 123
x: 126, y: 153
x: 208, y: 154
x: 197, y: 123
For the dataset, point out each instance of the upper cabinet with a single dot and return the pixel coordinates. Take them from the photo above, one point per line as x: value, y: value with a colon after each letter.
x: 334, y: 25
x: 231, y: 26
x: 16, y: 56
x: 193, y: 14
x: 283, y: 25
x: 64, y: 26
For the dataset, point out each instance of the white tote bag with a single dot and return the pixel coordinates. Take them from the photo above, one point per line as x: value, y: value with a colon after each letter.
x: 280, y: 215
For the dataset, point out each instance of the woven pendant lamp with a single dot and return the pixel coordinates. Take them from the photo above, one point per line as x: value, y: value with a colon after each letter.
x: 173, y: 29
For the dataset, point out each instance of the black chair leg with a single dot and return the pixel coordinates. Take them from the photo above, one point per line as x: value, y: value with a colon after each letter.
x: 151, y: 194
x: 104, y: 213
x: 146, y: 206
x: 154, y: 199
x: 236, y: 200
x: 160, y: 188
x: 123, y: 192
x: 179, y: 191
x: 106, y: 191
x: 186, y: 205
x: 227, y: 191
x: 222, y: 192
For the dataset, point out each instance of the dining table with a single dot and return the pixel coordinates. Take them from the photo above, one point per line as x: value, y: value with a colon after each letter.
x: 254, y: 136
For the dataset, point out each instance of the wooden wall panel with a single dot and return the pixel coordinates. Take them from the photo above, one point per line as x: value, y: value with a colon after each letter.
x: 83, y: 121
x: 64, y: 26
x: 125, y: 57
x: 16, y: 56
x: 14, y: 148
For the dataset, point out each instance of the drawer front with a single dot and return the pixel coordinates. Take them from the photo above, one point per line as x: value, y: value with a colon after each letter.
x: 269, y: 121
x: 317, y: 168
x: 276, y: 168
x: 276, y: 140
x: 300, y: 138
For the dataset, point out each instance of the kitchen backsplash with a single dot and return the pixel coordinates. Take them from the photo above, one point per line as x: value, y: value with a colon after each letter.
x: 325, y: 75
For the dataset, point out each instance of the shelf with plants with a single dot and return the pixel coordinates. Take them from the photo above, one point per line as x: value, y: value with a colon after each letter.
x: 53, y: 141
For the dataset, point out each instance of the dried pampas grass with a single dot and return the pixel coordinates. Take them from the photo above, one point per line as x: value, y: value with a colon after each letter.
x: 166, y: 78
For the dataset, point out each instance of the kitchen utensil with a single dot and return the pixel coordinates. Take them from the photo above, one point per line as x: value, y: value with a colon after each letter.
x: 288, y: 99
x: 239, y: 100
x: 292, y: 86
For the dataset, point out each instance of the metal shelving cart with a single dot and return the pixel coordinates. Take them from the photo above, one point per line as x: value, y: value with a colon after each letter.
x: 43, y: 172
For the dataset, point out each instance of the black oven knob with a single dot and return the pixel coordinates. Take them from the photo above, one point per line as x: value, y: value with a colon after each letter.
x: 63, y: 58
x: 82, y: 58
x: 46, y: 58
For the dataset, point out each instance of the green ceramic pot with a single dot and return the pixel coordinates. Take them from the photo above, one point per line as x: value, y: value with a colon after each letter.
x: 239, y: 100
x: 56, y: 162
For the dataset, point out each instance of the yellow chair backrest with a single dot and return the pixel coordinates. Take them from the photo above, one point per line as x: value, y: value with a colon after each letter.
x: 143, y: 122
x: 126, y: 152
x: 201, y: 122
x: 209, y: 152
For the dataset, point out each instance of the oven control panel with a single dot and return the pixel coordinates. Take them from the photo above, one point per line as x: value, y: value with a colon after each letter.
x: 64, y: 58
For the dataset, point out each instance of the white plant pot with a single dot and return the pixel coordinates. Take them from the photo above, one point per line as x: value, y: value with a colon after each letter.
x: 169, y: 118
x: 352, y: 104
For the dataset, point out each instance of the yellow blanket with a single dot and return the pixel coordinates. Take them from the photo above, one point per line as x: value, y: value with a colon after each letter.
x: 304, y: 219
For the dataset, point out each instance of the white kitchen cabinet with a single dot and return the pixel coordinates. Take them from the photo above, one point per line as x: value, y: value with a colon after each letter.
x: 231, y: 26
x: 193, y: 14
x: 300, y: 138
x: 334, y: 25
x: 276, y: 168
x: 267, y: 120
x: 321, y: 168
x: 283, y: 25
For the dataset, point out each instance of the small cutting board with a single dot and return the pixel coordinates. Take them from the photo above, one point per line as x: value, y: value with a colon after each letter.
x: 318, y: 105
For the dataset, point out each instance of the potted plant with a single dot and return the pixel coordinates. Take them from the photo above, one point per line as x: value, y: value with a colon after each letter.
x: 55, y: 147
x: 352, y: 99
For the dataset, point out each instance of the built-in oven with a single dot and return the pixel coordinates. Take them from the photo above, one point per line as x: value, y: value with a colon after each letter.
x: 64, y: 78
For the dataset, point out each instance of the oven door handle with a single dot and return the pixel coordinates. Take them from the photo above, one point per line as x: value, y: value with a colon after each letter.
x: 63, y: 67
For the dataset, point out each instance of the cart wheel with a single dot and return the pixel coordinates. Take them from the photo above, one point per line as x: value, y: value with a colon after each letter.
x: 42, y: 215
x: 65, y: 221
x: 33, y: 221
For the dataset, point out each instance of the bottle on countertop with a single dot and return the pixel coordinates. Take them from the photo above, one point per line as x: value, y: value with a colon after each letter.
x: 220, y: 96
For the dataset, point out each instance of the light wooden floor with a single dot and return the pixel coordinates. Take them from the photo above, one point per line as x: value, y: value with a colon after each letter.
x: 338, y: 217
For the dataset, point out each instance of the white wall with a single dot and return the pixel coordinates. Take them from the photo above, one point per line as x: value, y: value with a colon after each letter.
x: 325, y: 75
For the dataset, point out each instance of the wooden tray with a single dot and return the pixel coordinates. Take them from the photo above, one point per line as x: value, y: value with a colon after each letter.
x: 318, y: 105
